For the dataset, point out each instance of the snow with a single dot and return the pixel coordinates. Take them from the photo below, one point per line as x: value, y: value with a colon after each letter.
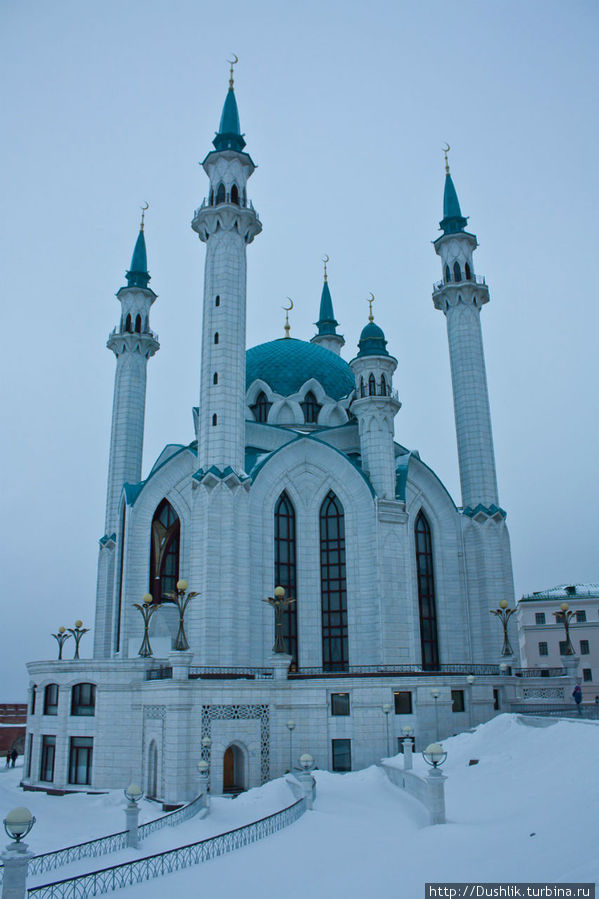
x: 526, y: 812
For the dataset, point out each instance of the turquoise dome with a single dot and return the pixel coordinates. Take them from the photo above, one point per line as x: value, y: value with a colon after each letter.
x: 285, y: 364
x: 372, y: 341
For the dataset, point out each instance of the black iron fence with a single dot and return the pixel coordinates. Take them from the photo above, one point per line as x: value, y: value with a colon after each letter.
x: 127, y: 874
x: 590, y: 711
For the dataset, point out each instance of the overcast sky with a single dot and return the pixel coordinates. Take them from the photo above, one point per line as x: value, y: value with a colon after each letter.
x: 345, y: 107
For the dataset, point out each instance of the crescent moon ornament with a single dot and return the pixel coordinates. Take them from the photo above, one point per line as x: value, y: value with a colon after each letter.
x: 288, y: 308
x: 370, y: 301
x: 287, y: 311
x: 232, y: 62
x: 143, y: 213
x: 325, y: 259
x: 446, y: 150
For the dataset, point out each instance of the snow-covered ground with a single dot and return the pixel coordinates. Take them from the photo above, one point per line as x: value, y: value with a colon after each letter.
x: 528, y: 811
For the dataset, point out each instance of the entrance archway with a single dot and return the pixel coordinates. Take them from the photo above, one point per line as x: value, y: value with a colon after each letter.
x: 234, y: 769
x: 153, y: 770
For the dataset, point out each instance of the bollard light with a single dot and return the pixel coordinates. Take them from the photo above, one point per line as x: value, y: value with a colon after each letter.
x: 407, y: 730
x: 291, y: 725
x: 434, y: 755
x: 470, y: 679
x: 306, y: 761
x: 203, y: 766
x: 18, y: 823
x: 133, y: 793
x: 206, y: 742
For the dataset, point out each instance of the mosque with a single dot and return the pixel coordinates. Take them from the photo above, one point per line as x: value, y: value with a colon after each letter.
x: 293, y: 481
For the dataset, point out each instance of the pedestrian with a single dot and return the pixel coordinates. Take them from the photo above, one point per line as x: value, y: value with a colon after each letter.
x: 577, y: 696
x: 14, y: 756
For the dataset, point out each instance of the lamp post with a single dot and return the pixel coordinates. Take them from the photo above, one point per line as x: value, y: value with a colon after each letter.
x: 147, y: 607
x: 435, y: 693
x: 279, y: 602
x: 407, y: 745
x: 386, y: 710
x: 133, y: 793
x: 204, y: 772
x: 15, y: 858
x: 61, y: 638
x: 306, y: 779
x: 434, y: 755
x: 181, y: 600
x: 78, y: 631
x: 290, y: 728
x: 503, y: 614
x: 470, y: 680
x: 565, y: 615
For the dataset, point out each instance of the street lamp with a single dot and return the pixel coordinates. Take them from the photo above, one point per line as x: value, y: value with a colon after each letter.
x: 78, y: 631
x: 435, y: 693
x: 306, y: 761
x: 181, y: 600
x: 133, y: 793
x: 386, y: 710
x: 565, y: 615
x: 61, y: 638
x: 18, y: 823
x: 434, y: 755
x: 204, y: 772
x: 147, y: 609
x: 279, y: 602
x: 503, y: 614
x: 290, y: 728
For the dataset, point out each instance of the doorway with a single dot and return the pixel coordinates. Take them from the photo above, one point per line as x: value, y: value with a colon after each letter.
x: 234, y: 770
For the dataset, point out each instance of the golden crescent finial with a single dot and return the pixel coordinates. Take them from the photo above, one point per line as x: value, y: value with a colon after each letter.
x: 370, y: 301
x: 446, y: 150
x: 232, y: 62
x: 325, y: 259
x: 143, y: 213
x: 287, y: 311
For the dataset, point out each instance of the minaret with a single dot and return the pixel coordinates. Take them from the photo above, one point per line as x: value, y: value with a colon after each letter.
x: 327, y: 325
x: 461, y: 295
x: 226, y: 222
x: 133, y: 343
x: 375, y: 407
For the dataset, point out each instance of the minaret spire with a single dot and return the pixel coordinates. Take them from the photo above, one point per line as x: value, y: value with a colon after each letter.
x: 327, y: 324
x: 460, y: 295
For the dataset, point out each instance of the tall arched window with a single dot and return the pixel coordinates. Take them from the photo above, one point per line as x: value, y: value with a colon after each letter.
x: 128, y: 323
x: 261, y: 407
x: 371, y: 385
x: 285, y: 571
x: 235, y: 195
x: 383, y: 386
x: 138, y: 324
x: 457, y: 272
x: 426, y: 594
x: 215, y: 378
x: 447, y: 273
x: 362, y: 387
x: 220, y: 194
x: 310, y: 408
x: 468, y: 272
x: 216, y: 336
x: 164, y: 554
x: 335, y: 655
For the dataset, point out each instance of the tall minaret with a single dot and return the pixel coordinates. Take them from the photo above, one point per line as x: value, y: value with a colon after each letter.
x: 461, y: 295
x: 375, y: 406
x: 226, y: 222
x: 133, y: 343
x: 327, y: 325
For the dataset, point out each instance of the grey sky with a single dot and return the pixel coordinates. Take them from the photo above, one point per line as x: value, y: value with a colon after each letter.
x: 345, y: 108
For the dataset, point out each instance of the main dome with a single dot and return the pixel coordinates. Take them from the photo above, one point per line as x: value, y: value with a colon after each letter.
x: 285, y: 364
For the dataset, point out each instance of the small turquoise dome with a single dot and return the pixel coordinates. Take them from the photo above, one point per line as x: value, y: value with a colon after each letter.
x: 372, y: 341
x: 285, y: 364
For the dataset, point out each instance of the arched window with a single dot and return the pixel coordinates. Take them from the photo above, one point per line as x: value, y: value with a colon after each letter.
x: 164, y: 555
x: 362, y: 387
x: 457, y: 272
x: 335, y: 656
x: 217, y: 300
x: 214, y: 420
x: 261, y: 407
x: 216, y: 336
x: 310, y: 408
x: 383, y: 386
x: 220, y: 194
x: 83, y: 699
x: 447, y: 273
x: 426, y: 594
x: 371, y: 385
x: 468, y: 272
x: 128, y: 324
x: 212, y: 198
x: 51, y: 700
x: 215, y: 378
x: 285, y: 571
x: 138, y: 324
x: 244, y: 197
x: 235, y: 195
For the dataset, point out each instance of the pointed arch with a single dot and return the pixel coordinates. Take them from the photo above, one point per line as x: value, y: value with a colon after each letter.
x: 310, y: 407
x: 128, y: 327
x: 215, y: 378
x: 285, y: 568
x: 164, y: 551
x: 220, y: 194
x: 371, y: 384
x: 457, y: 271
x: 235, y: 195
x: 261, y: 407
x: 362, y: 387
x: 138, y: 324
x: 447, y: 273
x: 333, y: 585
x: 384, y: 390
x: 426, y: 594
x: 468, y: 273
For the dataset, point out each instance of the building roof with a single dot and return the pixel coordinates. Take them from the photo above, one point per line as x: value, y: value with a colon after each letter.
x: 562, y: 591
x: 372, y: 341
x: 285, y: 364
x: 453, y: 220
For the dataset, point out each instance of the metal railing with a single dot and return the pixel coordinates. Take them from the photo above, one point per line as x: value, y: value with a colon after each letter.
x: 473, y: 279
x: 48, y: 861
x: 164, y: 672
x: 127, y: 874
x: 590, y: 711
x: 397, y: 671
x: 224, y: 673
x: 540, y: 672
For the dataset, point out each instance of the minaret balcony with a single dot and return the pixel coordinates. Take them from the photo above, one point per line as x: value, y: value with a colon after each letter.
x: 208, y: 219
x: 473, y: 291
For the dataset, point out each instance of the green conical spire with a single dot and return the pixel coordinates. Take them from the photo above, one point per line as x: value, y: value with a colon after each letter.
x: 453, y: 220
x: 138, y: 275
x: 327, y: 323
x: 229, y: 136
